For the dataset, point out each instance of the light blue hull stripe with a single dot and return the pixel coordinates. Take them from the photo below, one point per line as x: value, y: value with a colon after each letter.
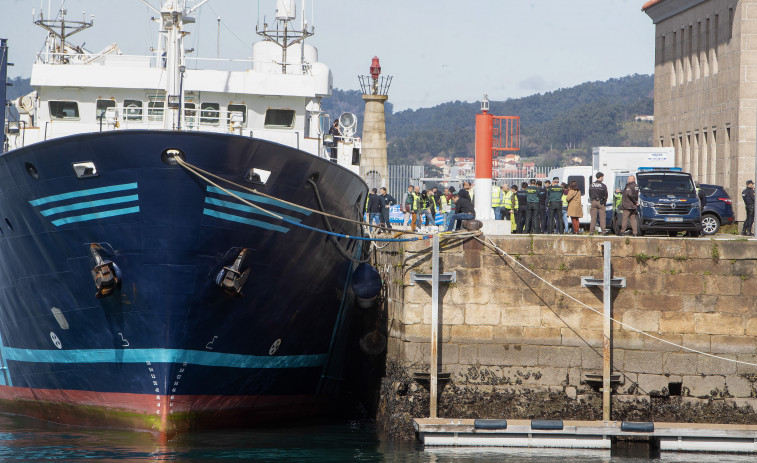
x: 194, y: 357
x: 259, y: 199
x: 89, y: 204
x: 80, y: 193
x: 243, y: 208
x: 244, y: 220
x: 96, y: 215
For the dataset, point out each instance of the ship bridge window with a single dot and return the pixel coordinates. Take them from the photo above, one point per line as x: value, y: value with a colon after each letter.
x: 64, y: 110
x: 190, y: 113
x: 102, y: 106
x: 209, y: 113
x: 240, y: 108
x: 279, y: 118
x: 155, y: 110
x: 133, y: 110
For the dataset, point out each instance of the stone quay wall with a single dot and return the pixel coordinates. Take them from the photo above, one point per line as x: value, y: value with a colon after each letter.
x: 514, y: 347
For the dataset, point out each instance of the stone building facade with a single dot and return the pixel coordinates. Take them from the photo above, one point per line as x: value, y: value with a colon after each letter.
x: 705, y: 88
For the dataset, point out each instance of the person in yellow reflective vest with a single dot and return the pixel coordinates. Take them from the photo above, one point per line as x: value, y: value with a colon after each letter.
x: 514, y: 209
x: 444, y: 205
x: 496, y: 201
x: 507, y: 203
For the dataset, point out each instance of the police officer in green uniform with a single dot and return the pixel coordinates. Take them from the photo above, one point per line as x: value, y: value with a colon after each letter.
x: 532, y: 208
x: 554, y: 201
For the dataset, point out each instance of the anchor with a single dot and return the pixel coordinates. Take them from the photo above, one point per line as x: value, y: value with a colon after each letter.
x: 231, y: 279
x: 105, y: 273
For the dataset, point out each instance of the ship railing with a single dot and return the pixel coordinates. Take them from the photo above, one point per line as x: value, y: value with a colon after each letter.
x: 197, y: 63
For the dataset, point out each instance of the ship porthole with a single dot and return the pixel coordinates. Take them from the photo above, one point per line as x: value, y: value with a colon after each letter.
x: 168, y: 156
x: 274, y: 347
x: 31, y: 170
x: 56, y: 340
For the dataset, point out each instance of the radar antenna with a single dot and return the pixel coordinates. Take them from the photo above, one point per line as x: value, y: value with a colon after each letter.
x: 60, y: 29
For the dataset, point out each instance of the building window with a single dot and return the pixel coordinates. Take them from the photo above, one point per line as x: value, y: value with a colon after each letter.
x: 102, y: 106
x: 673, y: 61
x: 730, y: 23
x: 714, y: 155
x: 279, y: 118
x: 68, y: 110
x: 210, y: 113
x: 133, y: 110
x: 706, y: 53
x: 698, y: 57
x: 680, y: 59
x: 690, y: 56
x: 240, y: 108
x: 716, y: 41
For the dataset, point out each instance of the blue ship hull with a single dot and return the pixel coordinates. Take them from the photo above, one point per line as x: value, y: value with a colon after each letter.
x: 170, y: 350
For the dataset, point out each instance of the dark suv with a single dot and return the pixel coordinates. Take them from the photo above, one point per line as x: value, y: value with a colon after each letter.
x: 718, y: 209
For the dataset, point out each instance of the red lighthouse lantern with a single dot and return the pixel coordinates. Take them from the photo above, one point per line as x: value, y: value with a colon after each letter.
x: 375, y: 68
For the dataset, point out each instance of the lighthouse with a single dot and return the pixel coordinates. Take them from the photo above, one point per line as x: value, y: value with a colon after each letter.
x: 373, y: 164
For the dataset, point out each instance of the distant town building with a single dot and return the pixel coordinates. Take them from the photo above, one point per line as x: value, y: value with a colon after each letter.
x: 644, y: 118
x: 439, y: 161
x: 466, y: 167
x: 705, y: 88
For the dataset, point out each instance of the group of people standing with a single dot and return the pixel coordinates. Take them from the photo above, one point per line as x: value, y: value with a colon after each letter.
x: 453, y: 205
x: 538, y: 207
x: 378, y: 206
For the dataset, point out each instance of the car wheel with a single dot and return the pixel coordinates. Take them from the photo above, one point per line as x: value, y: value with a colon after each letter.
x: 710, y: 224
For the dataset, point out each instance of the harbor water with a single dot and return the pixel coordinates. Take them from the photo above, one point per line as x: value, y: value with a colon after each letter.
x: 29, y: 440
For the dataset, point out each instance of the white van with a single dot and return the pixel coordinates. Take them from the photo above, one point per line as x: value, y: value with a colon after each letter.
x: 583, y: 176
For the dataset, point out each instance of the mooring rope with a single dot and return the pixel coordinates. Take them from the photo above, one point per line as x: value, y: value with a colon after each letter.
x: 496, y: 248
x: 197, y: 171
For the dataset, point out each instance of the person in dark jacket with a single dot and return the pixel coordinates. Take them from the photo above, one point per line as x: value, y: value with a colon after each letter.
x: 521, y: 217
x: 463, y: 210
x: 748, y: 196
x: 628, y: 204
x: 427, y: 206
x: 598, y: 197
x: 554, y: 200
x: 386, y: 202
x: 374, y: 207
x: 532, y: 208
x: 542, y: 206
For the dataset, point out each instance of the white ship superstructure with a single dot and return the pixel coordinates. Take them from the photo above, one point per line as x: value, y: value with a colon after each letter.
x: 276, y: 98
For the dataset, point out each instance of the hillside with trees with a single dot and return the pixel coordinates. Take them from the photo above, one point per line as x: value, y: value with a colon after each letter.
x: 555, y: 126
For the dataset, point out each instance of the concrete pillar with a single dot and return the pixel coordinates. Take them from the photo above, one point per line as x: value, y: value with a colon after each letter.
x: 373, y: 164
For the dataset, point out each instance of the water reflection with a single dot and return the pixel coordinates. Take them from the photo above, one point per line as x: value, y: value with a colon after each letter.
x: 28, y: 440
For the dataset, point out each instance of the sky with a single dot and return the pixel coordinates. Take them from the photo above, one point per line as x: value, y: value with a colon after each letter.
x: 436, y: 50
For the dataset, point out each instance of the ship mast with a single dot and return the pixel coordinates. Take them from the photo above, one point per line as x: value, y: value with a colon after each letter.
x: 286, y: 34
x: 173, y: 16
x: 57, y: 33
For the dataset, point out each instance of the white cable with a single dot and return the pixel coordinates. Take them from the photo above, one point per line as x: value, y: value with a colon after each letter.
x: 612, y: 319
